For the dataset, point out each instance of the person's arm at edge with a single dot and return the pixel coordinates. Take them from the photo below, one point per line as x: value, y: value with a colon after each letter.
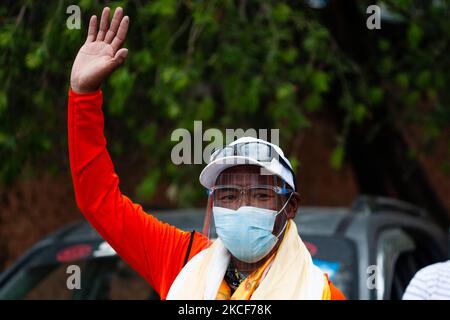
x: 419, y: 286
x: 154, y: 249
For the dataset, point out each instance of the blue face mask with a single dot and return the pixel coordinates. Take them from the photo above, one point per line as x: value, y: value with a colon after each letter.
x: 247, y: 231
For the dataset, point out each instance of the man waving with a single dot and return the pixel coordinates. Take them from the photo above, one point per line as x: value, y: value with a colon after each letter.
x: 252, y: 200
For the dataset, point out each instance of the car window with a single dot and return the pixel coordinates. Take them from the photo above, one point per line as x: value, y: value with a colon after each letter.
x: 101, y: 279
x: 48, y: 282
x: 335, y: 256
x: 128, y: 284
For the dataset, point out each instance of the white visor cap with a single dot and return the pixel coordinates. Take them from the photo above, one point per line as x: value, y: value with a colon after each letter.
x: 209, y: 174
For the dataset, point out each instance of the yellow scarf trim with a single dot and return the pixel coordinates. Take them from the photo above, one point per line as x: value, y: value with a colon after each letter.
x: 288, y: 274
x: 251, y: 283
x: 246, y: 288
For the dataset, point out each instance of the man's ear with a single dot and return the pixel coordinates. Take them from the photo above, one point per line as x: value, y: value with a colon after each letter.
x: 293, y: 205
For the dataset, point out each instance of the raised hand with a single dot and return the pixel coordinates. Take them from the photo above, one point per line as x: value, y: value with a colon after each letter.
x: 101, y: 54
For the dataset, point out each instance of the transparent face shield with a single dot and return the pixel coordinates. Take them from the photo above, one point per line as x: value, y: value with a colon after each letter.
x: 235, y: 190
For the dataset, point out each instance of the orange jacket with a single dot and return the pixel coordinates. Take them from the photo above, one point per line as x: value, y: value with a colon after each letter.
x: 154, y: 249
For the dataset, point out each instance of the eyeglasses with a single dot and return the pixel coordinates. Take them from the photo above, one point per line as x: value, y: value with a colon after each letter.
x: 255, y: 150
x: 262, y: 196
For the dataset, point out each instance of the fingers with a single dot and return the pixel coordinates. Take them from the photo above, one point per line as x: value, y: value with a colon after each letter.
x: 118, y: 59
x: 92, y: 31
x: 115, y: 34
x: 103, y: 24
x: 121, y: 33
x: 117, y: 18
x: 120, y: 56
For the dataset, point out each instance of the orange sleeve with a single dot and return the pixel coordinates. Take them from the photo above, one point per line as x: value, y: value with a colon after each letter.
x: 154, y: 249
x: 336, y: 294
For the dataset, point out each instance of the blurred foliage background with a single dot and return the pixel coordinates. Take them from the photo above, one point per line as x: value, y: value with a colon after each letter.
x: 234, y: 64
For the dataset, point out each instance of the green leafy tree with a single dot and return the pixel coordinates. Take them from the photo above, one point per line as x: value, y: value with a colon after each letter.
x: 258, y: 64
